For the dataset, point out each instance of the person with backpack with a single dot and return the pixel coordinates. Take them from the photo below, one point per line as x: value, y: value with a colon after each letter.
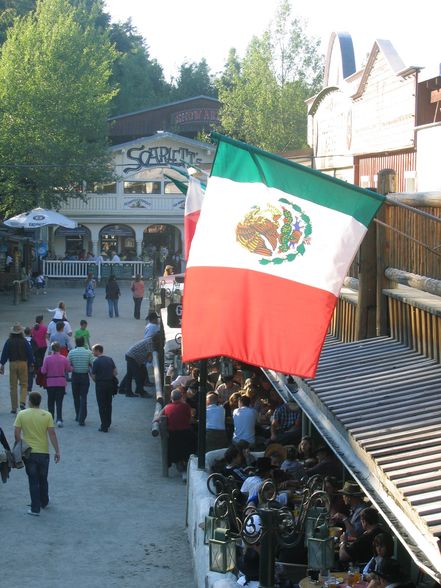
x: 89, y: 293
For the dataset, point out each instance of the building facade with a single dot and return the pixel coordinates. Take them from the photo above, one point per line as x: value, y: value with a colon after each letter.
x: 141, y: 213
x: 364, y: 121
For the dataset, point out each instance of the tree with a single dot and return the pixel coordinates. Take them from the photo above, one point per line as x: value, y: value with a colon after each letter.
x: 140, y: 79
x: 194, y: 79
x: 54, y: 105
x: 263, y: 96
x: 9, y: 10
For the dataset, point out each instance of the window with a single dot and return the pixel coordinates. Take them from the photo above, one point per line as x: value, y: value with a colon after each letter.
x: 142, y: 187
x: 104, y: 188
x: 365, y: 182
x: 410, y: 181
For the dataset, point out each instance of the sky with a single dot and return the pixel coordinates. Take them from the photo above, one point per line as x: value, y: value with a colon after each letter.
x: 178, y: 31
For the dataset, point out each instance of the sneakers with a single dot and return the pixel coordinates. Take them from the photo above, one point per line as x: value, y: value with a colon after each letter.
x: 13, y: 411
x: 60, y: 424
x: 33, y: 514
x: 22, y: 405
x: 131, y: 395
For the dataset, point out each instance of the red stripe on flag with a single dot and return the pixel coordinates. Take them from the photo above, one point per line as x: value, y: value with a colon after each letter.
x: 256, y: 318
x: 190, y: 222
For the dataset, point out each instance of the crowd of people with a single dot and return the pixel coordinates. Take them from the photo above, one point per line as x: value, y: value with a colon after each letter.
x: 49, y: 357
x: 258, y: 438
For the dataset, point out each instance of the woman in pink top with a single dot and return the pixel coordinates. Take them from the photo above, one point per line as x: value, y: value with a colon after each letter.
x: 54, y: 368
x: 39, y: 340
x: 137, y: 289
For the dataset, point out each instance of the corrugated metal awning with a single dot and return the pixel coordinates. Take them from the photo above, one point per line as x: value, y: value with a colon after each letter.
x: 378, y: 405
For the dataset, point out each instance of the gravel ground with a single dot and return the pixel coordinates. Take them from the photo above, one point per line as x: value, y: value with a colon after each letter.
x: 112, y: 520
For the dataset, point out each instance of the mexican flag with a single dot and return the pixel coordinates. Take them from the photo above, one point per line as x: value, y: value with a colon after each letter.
x: 272, y: 246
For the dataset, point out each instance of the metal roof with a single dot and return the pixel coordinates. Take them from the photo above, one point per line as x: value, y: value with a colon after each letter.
x: 378, y: 405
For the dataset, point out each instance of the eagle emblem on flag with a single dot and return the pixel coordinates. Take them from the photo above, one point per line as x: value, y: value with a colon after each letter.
x: 279, y: 232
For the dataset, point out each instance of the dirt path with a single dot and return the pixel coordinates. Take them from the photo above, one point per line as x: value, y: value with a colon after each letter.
x: 113, y: 520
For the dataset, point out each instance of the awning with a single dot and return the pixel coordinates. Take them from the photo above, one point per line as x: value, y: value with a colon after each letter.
x: 377, y: 403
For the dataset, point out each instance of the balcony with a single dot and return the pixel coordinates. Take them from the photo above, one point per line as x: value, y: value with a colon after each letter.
x: 126, y: 205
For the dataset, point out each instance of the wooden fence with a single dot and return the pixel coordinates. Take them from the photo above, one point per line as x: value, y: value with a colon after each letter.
x: 410, y: 255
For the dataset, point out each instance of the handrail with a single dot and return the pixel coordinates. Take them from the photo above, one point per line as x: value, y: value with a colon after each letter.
x: 63, y: 268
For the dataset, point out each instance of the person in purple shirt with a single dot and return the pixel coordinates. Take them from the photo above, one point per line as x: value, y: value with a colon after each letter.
x: 55, y: 367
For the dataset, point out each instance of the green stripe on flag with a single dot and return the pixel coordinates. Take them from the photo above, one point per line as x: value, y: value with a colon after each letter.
x: 244, y: 163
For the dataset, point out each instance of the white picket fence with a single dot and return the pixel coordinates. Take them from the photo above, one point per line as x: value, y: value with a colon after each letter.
x: 57, y: 268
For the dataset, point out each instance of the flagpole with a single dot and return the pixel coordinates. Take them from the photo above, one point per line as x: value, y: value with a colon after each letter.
x: 202, y: 412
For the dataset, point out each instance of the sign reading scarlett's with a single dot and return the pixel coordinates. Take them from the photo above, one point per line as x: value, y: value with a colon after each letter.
x: 159, y: 156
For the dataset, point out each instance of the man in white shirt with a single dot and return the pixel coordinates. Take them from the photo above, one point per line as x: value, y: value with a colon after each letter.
x: 245, y: 419
x: 52, y: 329
x: 216, y: 437
x: 116, y: 258
x: 252, y: 484
x: 152, y: 327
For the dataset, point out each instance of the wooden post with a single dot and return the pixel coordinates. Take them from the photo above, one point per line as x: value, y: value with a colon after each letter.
x: 386, y: 185
x: 365, y: 317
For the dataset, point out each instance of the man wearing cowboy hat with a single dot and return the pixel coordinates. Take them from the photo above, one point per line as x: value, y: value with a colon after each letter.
x: 19, y: 353
x: 353, y: 498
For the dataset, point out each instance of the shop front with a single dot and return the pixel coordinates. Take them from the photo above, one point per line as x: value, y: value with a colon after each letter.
x: 119, y: 239
x: 76, y: 241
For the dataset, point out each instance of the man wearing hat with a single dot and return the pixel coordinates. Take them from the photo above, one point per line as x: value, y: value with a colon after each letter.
x: 19, y: 353
x: 353, y: 498
x: 152, y: 327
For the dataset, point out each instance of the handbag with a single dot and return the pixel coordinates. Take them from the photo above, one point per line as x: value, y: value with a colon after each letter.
x: 85, y: 296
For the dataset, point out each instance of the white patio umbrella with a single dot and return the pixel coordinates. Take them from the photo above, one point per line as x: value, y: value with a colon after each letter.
x: 39, y: 217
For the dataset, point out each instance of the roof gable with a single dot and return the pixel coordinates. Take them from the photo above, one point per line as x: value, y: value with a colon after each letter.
x: 391, y: 57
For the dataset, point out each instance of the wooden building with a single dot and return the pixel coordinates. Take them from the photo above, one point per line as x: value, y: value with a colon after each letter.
x: 185, y: 117
x: 364, y: 121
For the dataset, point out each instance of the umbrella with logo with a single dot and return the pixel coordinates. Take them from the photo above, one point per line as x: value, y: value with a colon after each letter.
x: 39, y: 217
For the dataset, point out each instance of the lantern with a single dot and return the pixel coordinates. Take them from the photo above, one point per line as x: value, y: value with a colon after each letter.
x: 321, y: 553
x: 222, y: 552
x: 211, y: 524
